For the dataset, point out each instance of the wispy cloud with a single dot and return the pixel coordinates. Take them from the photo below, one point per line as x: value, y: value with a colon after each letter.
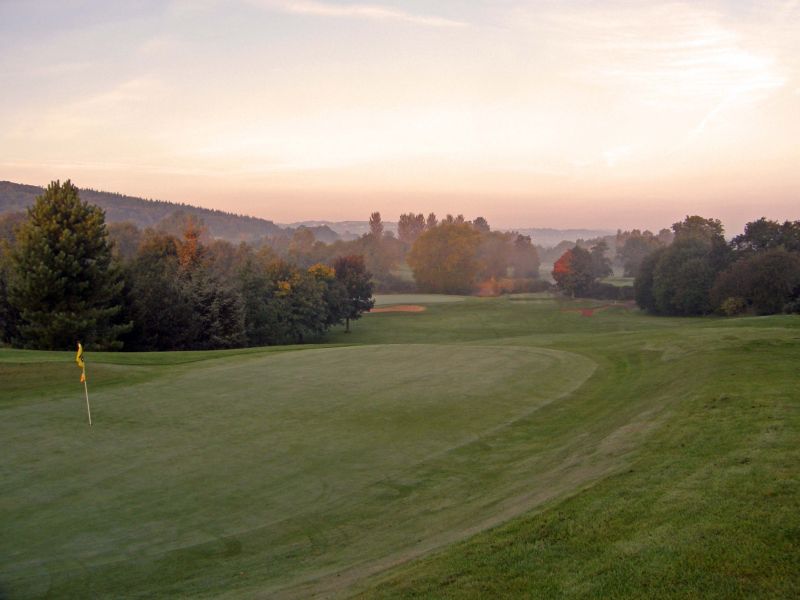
x: 371, y: 12
x: 92, y: 116
x: 668, y: 55
x: 686, y: 64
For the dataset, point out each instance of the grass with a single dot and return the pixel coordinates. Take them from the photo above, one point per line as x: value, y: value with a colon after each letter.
x: 391, y: 299
x: 484, y: 448
x: 618, y: 281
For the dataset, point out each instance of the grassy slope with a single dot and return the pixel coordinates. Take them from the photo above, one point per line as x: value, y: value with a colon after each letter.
x: 671, y: 470
x: 707, y: 506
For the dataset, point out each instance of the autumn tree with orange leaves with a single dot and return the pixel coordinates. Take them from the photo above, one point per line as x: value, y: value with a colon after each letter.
x: 444, y: 259
x: 573, y: 272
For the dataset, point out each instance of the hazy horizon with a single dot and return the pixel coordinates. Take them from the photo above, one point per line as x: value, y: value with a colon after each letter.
x: 531, y: 114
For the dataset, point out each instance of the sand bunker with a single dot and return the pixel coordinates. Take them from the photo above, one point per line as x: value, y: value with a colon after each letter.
x: 412, y: 308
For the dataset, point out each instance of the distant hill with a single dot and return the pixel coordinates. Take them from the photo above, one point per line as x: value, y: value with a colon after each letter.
x: 143, y: 213
x: 322, y: 233
x: 346, y: 230
x: 549, y: 238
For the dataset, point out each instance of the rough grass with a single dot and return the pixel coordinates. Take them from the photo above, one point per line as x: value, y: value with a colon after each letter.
x: 485, y: 448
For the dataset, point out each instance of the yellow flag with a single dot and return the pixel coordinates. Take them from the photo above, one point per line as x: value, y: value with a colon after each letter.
x: 82, y: 367
x: 79, y: 357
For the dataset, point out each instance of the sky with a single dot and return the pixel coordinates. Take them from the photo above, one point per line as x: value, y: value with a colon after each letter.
x: 529, y: 113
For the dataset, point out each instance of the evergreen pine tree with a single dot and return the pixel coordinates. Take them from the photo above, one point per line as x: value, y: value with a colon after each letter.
x: 9, y: 316
x: 63, y: 281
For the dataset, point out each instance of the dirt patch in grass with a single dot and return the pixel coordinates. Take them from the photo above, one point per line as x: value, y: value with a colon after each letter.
x: 410, y: 308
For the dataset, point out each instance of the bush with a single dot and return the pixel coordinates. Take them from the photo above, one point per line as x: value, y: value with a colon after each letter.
x: 766, y: 282
x: 731, y: 306
x: 392, y: 284
x: 510, y: 285
x: 626, y: 293
x: 606, y: 291
x: 792, y: 307
x: 530, y: 285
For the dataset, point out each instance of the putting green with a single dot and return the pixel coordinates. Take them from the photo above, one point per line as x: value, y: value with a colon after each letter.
x: 287, y: 465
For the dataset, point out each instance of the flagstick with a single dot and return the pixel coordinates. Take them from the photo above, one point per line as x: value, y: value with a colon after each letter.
x: 86, y: 389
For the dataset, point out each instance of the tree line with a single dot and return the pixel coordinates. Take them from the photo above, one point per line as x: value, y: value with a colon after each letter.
x: 65, y: 274
x: 694, y: 270
x: 449, y: 255
x: 175, y: 287
x: 456, y: 256
x: 757, y: 272
x: 63, y: 279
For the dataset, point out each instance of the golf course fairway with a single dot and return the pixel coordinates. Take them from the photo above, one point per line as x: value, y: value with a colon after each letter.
x: 482, y: 448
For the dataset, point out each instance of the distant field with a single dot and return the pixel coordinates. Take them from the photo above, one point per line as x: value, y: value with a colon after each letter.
x: 619, y: 281
x: 482, y: 448
x: 389, y: 299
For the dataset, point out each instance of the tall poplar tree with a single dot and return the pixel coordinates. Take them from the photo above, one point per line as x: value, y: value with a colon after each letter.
x: 63, y: 282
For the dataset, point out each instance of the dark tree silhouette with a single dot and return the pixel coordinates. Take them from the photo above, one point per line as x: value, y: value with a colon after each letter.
x: 376, y: 225
x: 63, y: 282
x: 357, y: 283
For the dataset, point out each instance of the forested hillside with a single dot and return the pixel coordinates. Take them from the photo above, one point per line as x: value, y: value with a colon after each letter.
x: 143, y: 213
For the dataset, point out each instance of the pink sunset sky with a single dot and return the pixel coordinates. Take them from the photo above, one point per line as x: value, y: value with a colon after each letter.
x: 531, y: 114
